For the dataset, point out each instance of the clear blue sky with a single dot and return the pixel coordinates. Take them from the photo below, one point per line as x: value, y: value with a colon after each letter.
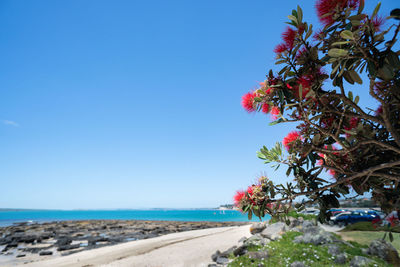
x: 135, y: 104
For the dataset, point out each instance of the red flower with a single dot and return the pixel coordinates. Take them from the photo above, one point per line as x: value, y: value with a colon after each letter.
x: 238, y: 198
x: 265, y: 108
x: 378, y: 22
x: 290, y: 138
x: 352, y: 124
x: 248, y: 102
x: 280, y: 48
x: 250, y: 190
x: 379, y: 110
x: 325, y: 7
x: 288, y: 37
x: 275, y: 112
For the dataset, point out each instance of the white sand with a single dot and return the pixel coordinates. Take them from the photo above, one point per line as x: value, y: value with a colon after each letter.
x: 191, y: 248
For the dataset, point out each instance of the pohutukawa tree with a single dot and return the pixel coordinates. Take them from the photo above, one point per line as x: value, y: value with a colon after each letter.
x: 335, y: 136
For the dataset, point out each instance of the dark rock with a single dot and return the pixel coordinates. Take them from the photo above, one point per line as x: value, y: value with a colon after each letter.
x: 215, y: 255
x: 385, y: 251
x: 27, y: 239
x: 239, y: 251
x: 212, y: 265
x: 360, y: 261
x: 45, y: 253
x: 21, y: 255
x: 341, y: 258
x: 10, y: 245
x: 274, y: 231
x: 63, y: 241
x: 222, y: 260
x: 316, y: 239
x: 257, y: 228
x: 241, y: 240
x: 297, y: 264
x: 68, y: 247
x: 261, y: 254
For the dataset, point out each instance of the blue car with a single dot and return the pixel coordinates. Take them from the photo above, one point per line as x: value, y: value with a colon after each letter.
x: 354, y: 217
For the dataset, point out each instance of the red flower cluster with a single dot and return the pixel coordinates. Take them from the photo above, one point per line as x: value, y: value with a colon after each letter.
x: 248, y: 101
x: 288, y: 36
x: 290, y: 138
x: 327, y: 8
x: 352, y: 124
x: 237, y: 199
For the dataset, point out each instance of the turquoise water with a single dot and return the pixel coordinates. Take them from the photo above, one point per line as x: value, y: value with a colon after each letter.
x: 10, y: 217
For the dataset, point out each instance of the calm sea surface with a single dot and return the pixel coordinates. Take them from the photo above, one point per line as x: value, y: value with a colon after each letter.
x: 10, y: 217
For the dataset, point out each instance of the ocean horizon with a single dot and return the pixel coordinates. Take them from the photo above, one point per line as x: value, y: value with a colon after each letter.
x: 11, y: 216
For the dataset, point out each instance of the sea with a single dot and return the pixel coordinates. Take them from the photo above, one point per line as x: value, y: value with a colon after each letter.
x: 10, y: 217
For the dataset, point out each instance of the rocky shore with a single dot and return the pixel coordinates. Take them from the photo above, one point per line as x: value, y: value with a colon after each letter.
x: 30, y: 242
x: 257, y: 249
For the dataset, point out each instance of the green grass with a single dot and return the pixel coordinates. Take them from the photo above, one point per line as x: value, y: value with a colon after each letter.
x: 368, y: 226
x: 365, y: 237
x: 284, y: 251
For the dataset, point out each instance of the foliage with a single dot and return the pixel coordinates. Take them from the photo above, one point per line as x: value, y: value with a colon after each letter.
x: 283, y: 252
x: 359, y: 147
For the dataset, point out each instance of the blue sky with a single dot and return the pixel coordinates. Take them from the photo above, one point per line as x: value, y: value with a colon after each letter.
x: 135, y: 104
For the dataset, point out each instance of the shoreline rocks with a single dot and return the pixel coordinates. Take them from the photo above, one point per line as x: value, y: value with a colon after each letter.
x: 66, y: 237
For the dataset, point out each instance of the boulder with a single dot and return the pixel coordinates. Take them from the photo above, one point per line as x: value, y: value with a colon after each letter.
x: 256, y: 240
x: 360, y: 261
x: 239, y: 251
x: 257, y: 228
x: 261, y: 254
x: 385, y: 251
x: 274, y: 231
x: 333, y: 250
x: 297, y: 264
x: 316, y: 239
x: 222, y: 260
x: 341, y: 258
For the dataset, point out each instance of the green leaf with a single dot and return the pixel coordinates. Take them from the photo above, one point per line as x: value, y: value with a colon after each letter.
x: 395, y: 13
x: 281, y: 96
x: 393, y: 59
x: 386, y: 72
x: 355, y: 77
x: 340, y: 43
x: 378, y: 6
x: 299, y: 14
x: 350, y: 95
x: 249, y: 215
x: 309, y: 32
x: 347, y: 35
x: 293, y: 18
x: 361, y: 7
x: 357, y: 17
x: 276, y: 122
x: 356, y: 99
x: 347, y: 77
x: 336, y: 52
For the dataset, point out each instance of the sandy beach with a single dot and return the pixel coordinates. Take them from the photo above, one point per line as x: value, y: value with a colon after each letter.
x: 190, y: 248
